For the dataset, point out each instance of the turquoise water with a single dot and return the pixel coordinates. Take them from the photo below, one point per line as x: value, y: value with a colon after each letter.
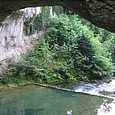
x: 37, y: 100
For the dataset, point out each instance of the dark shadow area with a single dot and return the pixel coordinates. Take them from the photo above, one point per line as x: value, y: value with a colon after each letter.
x: 33, y: 111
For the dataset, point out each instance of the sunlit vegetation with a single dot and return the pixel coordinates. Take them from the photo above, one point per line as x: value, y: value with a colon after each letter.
x: 72, y: 49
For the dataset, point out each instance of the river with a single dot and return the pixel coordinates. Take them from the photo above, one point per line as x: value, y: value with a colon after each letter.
x: 99, y: 88
x: 86, y: 98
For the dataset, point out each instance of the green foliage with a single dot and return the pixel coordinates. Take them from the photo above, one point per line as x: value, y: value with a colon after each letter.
x: 73, y: 49
x: 40, y: 21
x: 58, y: 10
x: 89, y: 57
x: 110, y: 44
x: 37, y: 22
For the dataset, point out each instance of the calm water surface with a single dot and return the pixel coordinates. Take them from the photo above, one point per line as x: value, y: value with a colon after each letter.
x: 37, y: 100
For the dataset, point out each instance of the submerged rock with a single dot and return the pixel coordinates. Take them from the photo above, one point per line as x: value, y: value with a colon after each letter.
x: 69, y: 112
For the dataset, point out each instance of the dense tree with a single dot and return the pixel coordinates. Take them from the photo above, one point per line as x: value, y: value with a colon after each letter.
x: 72, y: 49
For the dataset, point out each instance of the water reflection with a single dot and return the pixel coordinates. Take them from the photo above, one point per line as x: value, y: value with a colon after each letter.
x: 33, y: 111
x: 35, y: 100
x: 107, y: 108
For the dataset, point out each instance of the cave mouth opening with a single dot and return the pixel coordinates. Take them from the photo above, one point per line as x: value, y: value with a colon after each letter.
x: 100, y: 13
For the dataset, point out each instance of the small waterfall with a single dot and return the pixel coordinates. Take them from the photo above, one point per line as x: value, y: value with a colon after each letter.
x: 13, y: 42
x: 98, y: 88
x: 103, y: 89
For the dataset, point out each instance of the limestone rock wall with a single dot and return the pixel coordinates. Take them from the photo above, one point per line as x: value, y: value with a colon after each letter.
x: 13, y: 41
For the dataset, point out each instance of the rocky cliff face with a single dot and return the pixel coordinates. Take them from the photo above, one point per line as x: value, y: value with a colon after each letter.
x: 13, y: 41
x: 99, y: 12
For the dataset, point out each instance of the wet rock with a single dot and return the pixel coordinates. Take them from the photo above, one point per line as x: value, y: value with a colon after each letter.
x: 104, y: 92
x: 107, y: 93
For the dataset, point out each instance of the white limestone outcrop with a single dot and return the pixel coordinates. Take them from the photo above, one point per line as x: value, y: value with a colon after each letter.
x: 13, y: 41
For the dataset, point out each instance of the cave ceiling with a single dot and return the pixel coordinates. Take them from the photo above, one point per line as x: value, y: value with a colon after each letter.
x: 99, y: 12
